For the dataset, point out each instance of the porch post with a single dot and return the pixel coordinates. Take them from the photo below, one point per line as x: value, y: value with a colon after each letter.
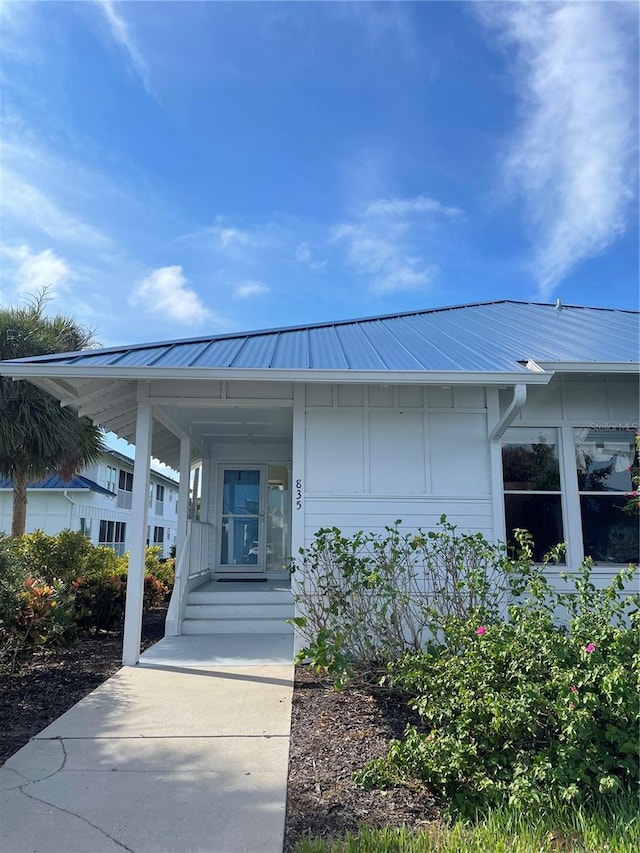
x: 183, y: 495
x: 137, y: 539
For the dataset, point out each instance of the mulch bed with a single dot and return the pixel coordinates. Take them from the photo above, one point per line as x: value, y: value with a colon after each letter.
x: 333, y: 734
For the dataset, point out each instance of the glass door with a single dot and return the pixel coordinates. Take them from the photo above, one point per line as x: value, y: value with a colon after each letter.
x: 241, y: 541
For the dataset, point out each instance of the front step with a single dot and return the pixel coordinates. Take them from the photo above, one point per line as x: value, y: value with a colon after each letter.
x: 233, y: 609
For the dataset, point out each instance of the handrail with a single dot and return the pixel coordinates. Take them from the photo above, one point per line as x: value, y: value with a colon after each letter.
x: 175, y: 602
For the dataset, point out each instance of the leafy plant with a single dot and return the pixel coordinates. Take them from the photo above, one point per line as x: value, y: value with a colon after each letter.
x: 528, y: 711
x: 67, y: 556
x: 37, y: 620
x: 368, y: 599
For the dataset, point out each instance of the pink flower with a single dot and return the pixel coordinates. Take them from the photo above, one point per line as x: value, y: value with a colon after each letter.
x: 481, y: 630
x: 590, y: 647
x: 574, y: 689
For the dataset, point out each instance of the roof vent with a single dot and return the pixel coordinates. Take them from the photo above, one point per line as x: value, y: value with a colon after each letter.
x: 558, y: 305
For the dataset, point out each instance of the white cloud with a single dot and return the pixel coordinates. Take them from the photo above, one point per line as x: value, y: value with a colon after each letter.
x: 250, y: 288
x: 27, y: 204
x: 387, y: 242
x: 33, y: 271
x: 304, y: 255
x: 225, y: 237
x: 122, y: 35
x: 411, y: 206
x: 165, y: 292
x: 572, y: 157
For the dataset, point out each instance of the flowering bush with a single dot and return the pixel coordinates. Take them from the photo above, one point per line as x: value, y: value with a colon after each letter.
x: 527, y: 711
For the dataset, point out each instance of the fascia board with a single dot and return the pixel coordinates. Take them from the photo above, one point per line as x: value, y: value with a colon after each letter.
x: 625, y: 367
x: 361, y: 377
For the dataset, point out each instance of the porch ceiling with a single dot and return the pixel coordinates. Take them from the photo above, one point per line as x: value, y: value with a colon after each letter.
x: 112, y: 404
x: 234, y: 425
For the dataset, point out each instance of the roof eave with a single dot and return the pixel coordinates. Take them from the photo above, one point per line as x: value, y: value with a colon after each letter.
x: 624, y: 368
x: 396, y: 377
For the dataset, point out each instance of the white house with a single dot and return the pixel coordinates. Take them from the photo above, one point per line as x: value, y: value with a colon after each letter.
x: 500, y: 415
x: 98, y: 502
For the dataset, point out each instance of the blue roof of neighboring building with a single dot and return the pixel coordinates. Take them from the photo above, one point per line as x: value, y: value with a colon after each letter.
x: 490, y: 336
x: 54, y: 481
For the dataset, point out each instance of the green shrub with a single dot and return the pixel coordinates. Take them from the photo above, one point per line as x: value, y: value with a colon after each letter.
x: 12, y: 577
x: 528, y: 711
x: 162, y: 569
x: 368, y: 599
x: 98, y: 602
x: 67, y: 556
x: 38, y: 618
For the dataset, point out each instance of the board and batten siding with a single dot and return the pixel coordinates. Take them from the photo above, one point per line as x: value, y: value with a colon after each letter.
x: 374, y: 454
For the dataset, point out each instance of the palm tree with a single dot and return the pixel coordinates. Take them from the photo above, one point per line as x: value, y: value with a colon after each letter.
x: 37, y: 436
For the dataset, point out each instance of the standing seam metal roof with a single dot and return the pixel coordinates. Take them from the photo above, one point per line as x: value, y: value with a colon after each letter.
x: 491, y: 336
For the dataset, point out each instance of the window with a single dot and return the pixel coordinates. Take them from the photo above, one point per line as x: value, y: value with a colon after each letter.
x: 85, y: 526
x: 112, y: 476
x: 125, y: 487
x: 158, y: 535
x: 112, y: 534
x: 532, y: 491
x: 159, y: 500
x: 603, y: 459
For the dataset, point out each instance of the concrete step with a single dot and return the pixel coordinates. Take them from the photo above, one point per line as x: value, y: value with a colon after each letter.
x: 236, y: 626
x: 265, y: 610
x: 251, y: 596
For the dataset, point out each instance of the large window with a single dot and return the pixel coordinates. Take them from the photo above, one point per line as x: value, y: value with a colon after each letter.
x: 112, y: 534
x: 603, y: 459
x: 532, y: 487
x: 159, y: 499
x: 111, y: 479
x: 125, y: 487
x: 597, y: 461
x: 158, y: 535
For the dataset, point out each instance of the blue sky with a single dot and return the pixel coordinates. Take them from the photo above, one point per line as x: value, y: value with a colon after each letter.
x: 178, y: 169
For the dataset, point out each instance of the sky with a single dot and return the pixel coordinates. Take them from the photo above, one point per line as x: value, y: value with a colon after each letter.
x: 178, y: 169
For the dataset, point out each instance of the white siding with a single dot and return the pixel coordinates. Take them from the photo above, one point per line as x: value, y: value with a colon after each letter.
x: 380, y: 453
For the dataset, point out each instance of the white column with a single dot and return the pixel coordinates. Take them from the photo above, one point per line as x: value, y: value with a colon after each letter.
x: 137, y: 539
x: 183, y: 495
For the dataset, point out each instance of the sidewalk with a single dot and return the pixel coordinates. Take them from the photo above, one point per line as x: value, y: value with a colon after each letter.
x: 185, y: 753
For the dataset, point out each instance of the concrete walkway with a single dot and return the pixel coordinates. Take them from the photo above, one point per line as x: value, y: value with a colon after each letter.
x: 185, y: 753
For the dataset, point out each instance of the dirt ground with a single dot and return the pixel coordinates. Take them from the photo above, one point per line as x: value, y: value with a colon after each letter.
x: 333, y: 734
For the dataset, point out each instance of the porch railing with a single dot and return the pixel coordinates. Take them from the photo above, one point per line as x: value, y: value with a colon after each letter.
x: 193, y: 562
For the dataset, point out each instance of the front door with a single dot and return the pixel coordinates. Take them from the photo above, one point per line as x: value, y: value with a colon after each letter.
x: 242, y: 520
x: 254, y: 503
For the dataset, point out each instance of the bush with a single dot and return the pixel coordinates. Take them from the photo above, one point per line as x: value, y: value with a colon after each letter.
x: 12, y: 577
x: 67, y: 556
x: 98, y: 602
x: 368, y: 599
x: 528, y: 711
x: 162, y: 569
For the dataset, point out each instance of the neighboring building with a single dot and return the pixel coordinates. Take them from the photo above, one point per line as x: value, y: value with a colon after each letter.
x: 500, y: 415
x: 98, y: 502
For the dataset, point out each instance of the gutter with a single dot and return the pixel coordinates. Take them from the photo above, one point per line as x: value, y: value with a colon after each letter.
x: 66, y: 495
x: 515, y: 407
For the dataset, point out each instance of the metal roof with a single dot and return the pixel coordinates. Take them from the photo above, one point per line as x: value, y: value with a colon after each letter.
x: 483, y: 337
x: 54, y: 481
